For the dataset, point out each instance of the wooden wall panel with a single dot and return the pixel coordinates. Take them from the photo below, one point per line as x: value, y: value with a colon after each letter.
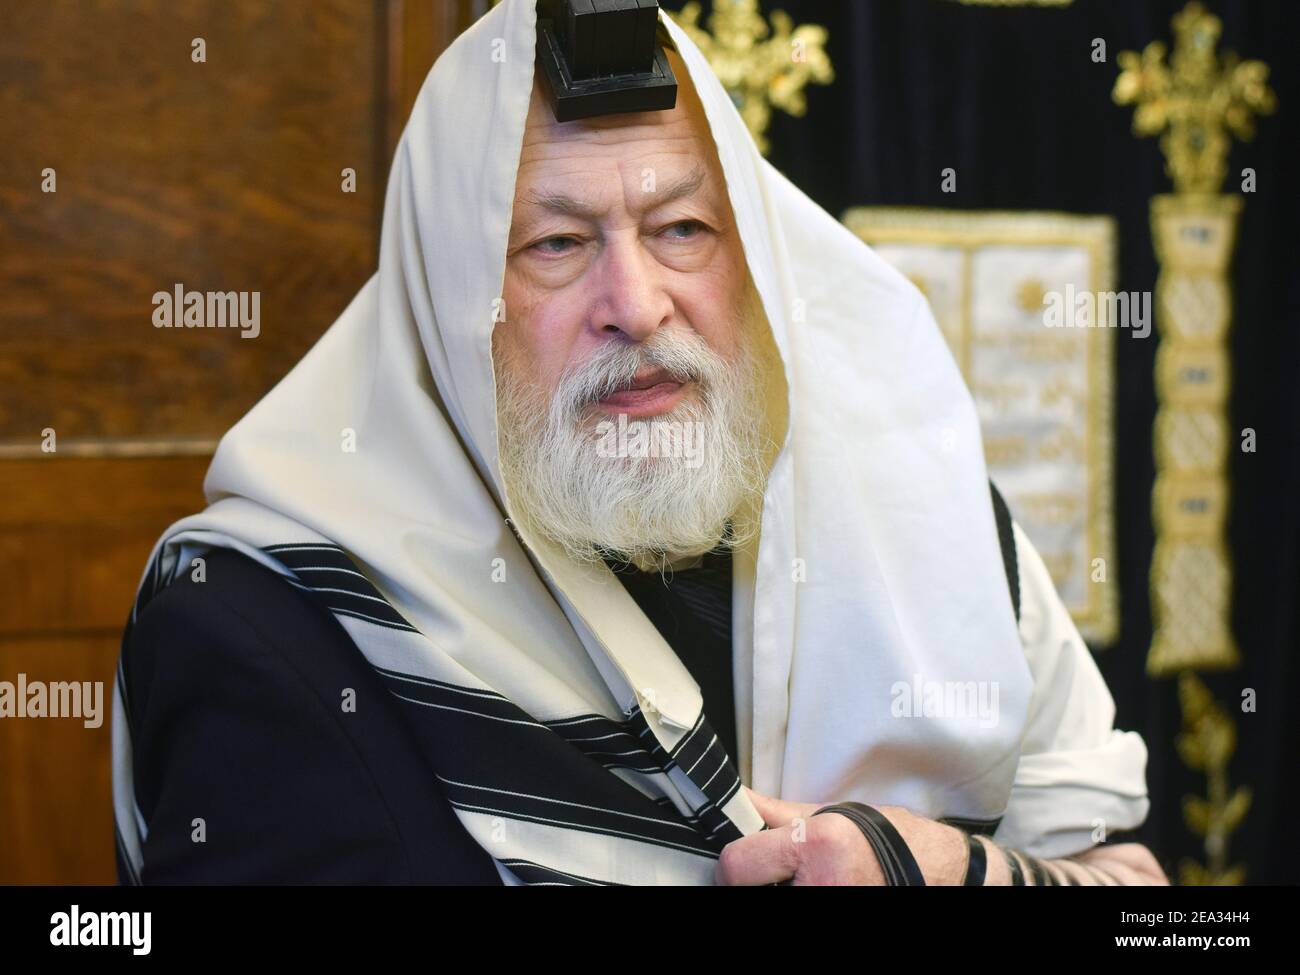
x: 75, y: 534
x: 223, y: 176
x: 56, y: 803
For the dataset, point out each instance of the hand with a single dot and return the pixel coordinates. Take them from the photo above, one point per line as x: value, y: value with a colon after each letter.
x: 830, y: 850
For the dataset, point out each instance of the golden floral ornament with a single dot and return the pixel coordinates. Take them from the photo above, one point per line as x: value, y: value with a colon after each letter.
x: 759, y: 66
x: 1206, y: 744
x: 1195, y: 100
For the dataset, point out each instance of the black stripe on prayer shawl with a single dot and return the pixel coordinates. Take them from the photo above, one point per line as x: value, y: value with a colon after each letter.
x: 611, y: 744
x: 671, y: 807
x: 1007, y: 541
x: 507, y: 763
x: 451, y: 697
x: 632, y: 745
x: 648, y: 827
x: 327, y: 572
x: 701, y: 756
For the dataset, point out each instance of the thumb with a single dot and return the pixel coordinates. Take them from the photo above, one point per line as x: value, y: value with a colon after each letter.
x: 780, y: 812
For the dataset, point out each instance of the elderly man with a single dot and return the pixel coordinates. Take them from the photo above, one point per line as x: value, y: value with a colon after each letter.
x: 630, y: 526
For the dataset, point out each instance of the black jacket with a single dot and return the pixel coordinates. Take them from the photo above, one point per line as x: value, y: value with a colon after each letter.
x: 235, y: 689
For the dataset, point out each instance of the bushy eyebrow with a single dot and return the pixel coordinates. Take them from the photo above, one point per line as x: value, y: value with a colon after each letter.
x: 569, y: 206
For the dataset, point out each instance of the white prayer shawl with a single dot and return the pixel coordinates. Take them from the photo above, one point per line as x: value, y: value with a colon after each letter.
x: 564, y: 731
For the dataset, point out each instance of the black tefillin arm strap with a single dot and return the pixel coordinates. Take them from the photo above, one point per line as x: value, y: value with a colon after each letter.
x: 895, y: 858
x: 976, y: 863
x: 900, y: 867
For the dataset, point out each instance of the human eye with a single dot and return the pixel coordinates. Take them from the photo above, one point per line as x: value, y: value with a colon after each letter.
x: 545, y: 247
x: 690, y: 228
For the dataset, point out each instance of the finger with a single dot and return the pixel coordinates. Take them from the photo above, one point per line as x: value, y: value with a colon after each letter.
x: 780, y: 812
x: 766, y: 857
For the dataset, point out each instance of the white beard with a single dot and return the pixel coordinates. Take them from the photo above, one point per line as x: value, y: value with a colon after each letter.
x: 651, y: 510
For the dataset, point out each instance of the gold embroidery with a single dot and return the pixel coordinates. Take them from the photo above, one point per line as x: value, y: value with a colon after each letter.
x: 1195, y: 103
x: 1055, y: 418
x: 757, y: 70
x: 1206, y: 743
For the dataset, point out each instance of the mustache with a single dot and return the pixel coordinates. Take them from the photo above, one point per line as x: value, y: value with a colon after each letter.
x: 613, y: 368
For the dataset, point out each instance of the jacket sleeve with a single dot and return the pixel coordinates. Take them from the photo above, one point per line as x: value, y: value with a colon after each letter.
x: 1079, y: 779
x: 243, y: 772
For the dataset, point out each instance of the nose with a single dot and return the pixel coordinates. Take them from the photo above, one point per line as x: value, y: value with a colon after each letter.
x: 630, y: 296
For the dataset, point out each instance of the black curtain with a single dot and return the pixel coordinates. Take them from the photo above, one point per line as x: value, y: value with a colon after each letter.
x: 1011, y: 99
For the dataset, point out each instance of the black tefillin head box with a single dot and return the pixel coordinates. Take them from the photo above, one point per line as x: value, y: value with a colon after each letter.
x: 599, y: 57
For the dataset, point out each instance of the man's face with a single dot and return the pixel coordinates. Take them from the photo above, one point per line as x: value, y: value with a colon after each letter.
x: 628, y: 303
x: 621, y: 228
